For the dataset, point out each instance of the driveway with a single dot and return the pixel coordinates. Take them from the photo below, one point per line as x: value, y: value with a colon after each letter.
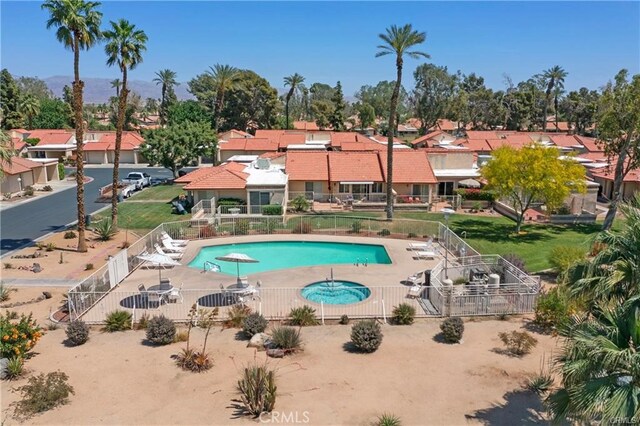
x: 24, y: 223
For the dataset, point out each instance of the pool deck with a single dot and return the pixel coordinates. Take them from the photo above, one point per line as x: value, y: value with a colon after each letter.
x: 280, y: 289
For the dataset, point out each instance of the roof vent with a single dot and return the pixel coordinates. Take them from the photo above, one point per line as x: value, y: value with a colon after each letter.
x: 263, y: 164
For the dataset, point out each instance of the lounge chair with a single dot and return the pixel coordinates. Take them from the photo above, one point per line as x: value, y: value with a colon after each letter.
x: 415, y: 292
x: 174, y: 256
x: 170, y: 247
x: 425, y: 255
x: 415, y: 279
x: 176, y: 294
x: 178, y: 243
x: 421, y: 246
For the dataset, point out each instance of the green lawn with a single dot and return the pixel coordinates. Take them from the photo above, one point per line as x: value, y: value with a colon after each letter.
x: 159, y: 193
x: 143, y: 216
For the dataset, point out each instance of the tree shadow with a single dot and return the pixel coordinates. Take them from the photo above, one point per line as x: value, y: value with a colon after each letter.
x: 439, y: 338
x: 522, y: 407
x: 214, y: 300
x: 498, y: 232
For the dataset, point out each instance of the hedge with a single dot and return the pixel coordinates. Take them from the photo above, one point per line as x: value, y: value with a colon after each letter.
x: 272, y: 210
x: 476, y: 194
x: 231, y: 202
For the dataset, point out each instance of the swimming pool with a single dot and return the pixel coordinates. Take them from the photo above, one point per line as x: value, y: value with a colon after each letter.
x: 274, y: 255
x: 336, y: 292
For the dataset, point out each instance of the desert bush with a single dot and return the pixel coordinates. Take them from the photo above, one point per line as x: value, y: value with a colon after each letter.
x: 403, y: 314
x: 15, y: 367
x: 552, y: 309
x: 563, y: 258
x: 7, y: 195
x: 515, y: 260
x: 88, y: 267
x: 272, y: 210
x: 8, y: 265
x: 356, y: 227
x: 50, y: 247
x: 344, y: 319
x: 19, y: 334
x: 253, y: 324
x: 47, y: 188
x: 195, y: 361
x: 42, y: 393
x: 300, y: 204
x: 258, y: 389
x: 366, y: 335
x: 518, y: 343
x: 181, y: 336
x: 69, y: 235
x: 143, y: 322
x: 207, y: 231
x: 384, y: 232
x: 28, y: 191
x: 460, y: 281
x: 161, y: 330
x: 540, y: 383
x: 40, y: 245
x: 236, y: 316
x: 5, y: 291
x: 302, y: 228
x: 452, y: 329
x: 286, y: 338
x: 104, y: 230
x: 303, y: 316
x: 387, y: 419
x: 412, y: 235
x: 118, y: 321
x: 242, y: 227
x: 77, y: 332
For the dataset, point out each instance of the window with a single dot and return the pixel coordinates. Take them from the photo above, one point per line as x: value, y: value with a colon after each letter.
x: 445, y: 188
x: 344, y: 189
x: 308, y: 187
x: 377, y: 187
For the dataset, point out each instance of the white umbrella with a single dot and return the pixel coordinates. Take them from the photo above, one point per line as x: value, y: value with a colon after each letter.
x: 159, y: 260
x: 469, y: 183
x: 238, y: 258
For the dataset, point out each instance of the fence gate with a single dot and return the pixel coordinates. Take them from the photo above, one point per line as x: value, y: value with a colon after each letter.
x: 118, y: 268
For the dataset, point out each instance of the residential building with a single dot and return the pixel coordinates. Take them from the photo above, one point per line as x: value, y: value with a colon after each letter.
x: 23, y: 172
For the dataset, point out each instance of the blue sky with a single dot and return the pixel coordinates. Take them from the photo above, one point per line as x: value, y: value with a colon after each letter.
x: 327, y: 41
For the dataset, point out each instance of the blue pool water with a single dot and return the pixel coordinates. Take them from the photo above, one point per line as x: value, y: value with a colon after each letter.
x: 336, y: 292
x: 274, y: 255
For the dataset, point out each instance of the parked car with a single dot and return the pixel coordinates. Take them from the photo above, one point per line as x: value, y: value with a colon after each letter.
x: 139, y: 179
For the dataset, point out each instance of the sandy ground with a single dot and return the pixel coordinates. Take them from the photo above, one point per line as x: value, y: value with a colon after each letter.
x: 41, y: 310
x: 74, y: 264
x: 120, y: 380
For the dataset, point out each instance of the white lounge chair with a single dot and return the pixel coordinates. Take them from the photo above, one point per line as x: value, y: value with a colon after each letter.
x: 425, y: 255
x: 415, y: 279
x: 179, y: 243
x: 421, y: 246
x: 415, y: 292
x: 174, y: 256
x: 170, y: 247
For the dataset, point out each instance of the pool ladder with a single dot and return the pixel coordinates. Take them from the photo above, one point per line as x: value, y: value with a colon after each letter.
x: 365, y: 263
x: 210, y: 266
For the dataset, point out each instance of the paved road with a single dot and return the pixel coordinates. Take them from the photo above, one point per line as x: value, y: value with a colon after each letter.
x: 22, y: 224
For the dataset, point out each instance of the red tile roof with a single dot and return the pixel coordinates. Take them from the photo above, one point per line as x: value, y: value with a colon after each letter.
x: 476, y: 145
x: 305, y: 125
x: 482, y: 134
x: 236, y: 167
x: 518, y: 140
x: 273, y: 154
x: 97, y: 146
x: 564, y: 141
x: 249, y: 144
x: 589, y: 143
x: 362, y: 146
x: 409, y: 167
x: 608, y: 173
x: 426, y: 137
x: 18, y: 144
x: 18, y: 165
x: 219, y: 178
x: 107, y: 142
x: 309, y: 166
x: 51, y: 137
x: 354, y: 166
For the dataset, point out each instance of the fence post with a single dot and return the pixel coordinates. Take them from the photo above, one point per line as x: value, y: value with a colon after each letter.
x: 322, y: 311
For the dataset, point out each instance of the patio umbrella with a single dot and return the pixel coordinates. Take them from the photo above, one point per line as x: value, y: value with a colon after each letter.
x: 469, y: 183
x: 159, y: 260
x: 238, y: 258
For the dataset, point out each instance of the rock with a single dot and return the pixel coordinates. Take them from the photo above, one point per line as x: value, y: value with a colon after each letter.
x: 3, y: 368
x: 275, y: 353
x: 36, y: 268
x: 46, y: 294
x: 258, y: 340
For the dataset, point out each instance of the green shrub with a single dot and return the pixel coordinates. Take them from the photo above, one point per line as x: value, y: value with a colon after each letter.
x: 366, y: 335
x: 452, y: 329
x: 356, y: 227
x: 460, y: 281
x: 562, y: 210
x: 50, y: 247
x: 412, y: 235
x: 384, y: 232
x: 5, y: 291
x: 104, y: 230
x: 88, y: 267
x: 258, y: 390
x: 562, y: 258
x: 253, y: 324
x: 388, y: 420
x: 77, y: 332
x: 300, y: 204
x: 344, y: 319
x: 476, y: 194
x: 61, y: 171
x: 237, y: 315
x: 231, y: 202
x: 302, y: 228
x: 28, y: 191
x: 552, y: 309
x: 8, y: 265
x: 69, y: 235
x: 286, y: 338
x: 540, y: 383
x: 272, y: 210
x: 161, y: 330
x: 303, y: 316
x: 19, y: 334
x: 15, y: 367
x: 42, y: 393
x: 118, y: 321
x: 403, y: 314
x: 476, y: 206
x: 518, y: 343
x: 241, y: 227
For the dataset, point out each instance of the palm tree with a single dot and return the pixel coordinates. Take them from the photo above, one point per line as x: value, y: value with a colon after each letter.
x: 6, y: 151
x: 225, y: 78
x: 78, y: 27
x: 397, y: 41
x: 612, y: 276
x: 124, y: 48
x: 293, y: 81
x: 115, y: 84
x: 600, y: 367
x: 30, y: 106
x: 167, y: 79
x: 554, y: 77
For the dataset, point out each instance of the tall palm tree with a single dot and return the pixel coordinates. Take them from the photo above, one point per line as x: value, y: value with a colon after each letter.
x: 600, y: 367
x: 167, y: 79
x: 293, y: 81
x: 115, y: 84
x: 554, y: 77
x: 6, y: 150
x: 30, y: 106
x: 398, y: 41
x: 225, y: 78
x: 78, y: 28
x: 124, y: 48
